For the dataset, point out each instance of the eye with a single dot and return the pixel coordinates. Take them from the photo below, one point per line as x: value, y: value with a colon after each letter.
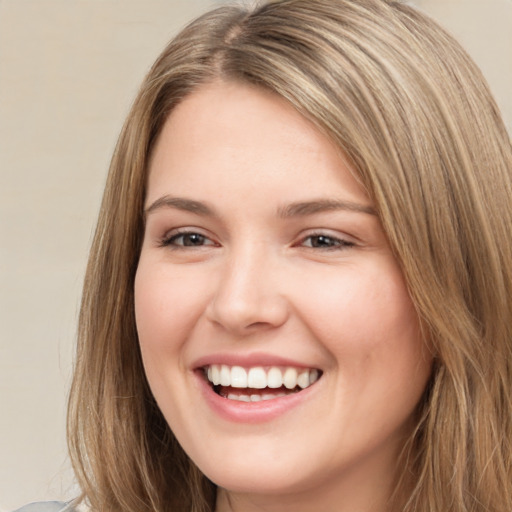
x: 187, y: 239
x: 323, y: 241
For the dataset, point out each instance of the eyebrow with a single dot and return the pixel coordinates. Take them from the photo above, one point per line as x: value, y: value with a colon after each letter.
x: 180, y: 203
x: 298, y: 209
x: 323, y: 205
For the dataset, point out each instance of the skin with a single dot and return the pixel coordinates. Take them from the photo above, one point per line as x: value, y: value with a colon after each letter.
x: 260, y: 282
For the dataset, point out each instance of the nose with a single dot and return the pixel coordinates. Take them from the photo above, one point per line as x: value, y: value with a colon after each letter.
x: 248, y: 297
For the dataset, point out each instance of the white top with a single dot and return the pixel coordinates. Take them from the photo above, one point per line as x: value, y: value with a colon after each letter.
x: 52, y: 506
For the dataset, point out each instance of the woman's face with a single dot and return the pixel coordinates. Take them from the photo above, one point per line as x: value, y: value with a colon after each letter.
x: 265, y: 270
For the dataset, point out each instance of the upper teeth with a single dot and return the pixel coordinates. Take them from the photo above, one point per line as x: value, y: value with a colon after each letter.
x: 259, y: 377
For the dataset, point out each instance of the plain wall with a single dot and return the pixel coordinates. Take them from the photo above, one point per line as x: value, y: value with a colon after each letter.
x: 68, y: 72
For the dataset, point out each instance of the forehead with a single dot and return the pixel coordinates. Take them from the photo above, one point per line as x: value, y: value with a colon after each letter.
x: 225, y: 130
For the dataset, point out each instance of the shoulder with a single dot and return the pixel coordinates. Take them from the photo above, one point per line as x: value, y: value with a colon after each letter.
x: 50, y: 506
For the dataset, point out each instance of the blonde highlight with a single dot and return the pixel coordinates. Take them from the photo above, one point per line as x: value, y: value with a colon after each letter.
x: 413, y: 115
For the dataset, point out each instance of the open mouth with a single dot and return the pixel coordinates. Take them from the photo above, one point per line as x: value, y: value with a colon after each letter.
x: 258, y: 383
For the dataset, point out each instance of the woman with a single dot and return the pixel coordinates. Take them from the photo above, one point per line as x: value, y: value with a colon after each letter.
x: 299, y: 293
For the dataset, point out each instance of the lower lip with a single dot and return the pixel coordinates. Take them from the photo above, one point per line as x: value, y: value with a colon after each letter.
x: 252, y: 412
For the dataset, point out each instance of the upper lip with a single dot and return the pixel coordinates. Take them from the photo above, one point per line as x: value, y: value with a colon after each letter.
x: 248, y: 360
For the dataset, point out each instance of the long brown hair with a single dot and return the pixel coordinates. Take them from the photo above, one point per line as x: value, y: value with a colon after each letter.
x: 414, y: 116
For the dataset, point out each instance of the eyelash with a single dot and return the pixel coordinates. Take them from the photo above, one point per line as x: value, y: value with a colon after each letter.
x: 333, y: 243
x: 328, y: 242
x: 170, y: 240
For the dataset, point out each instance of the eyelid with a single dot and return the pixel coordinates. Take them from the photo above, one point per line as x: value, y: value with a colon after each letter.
x: 341, y: 241
x: 166, y: 240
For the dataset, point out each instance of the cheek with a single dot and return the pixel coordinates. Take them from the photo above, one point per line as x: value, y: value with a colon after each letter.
x: 168, y: 303
x: 367, y: 321
x: 381, y: 365
x: 354, y: 305
x: 167, y: 306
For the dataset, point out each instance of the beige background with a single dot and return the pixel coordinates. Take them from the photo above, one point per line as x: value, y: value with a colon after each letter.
x: 68, y: 71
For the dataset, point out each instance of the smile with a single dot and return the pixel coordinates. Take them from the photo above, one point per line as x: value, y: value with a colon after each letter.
x: 258, y: 383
